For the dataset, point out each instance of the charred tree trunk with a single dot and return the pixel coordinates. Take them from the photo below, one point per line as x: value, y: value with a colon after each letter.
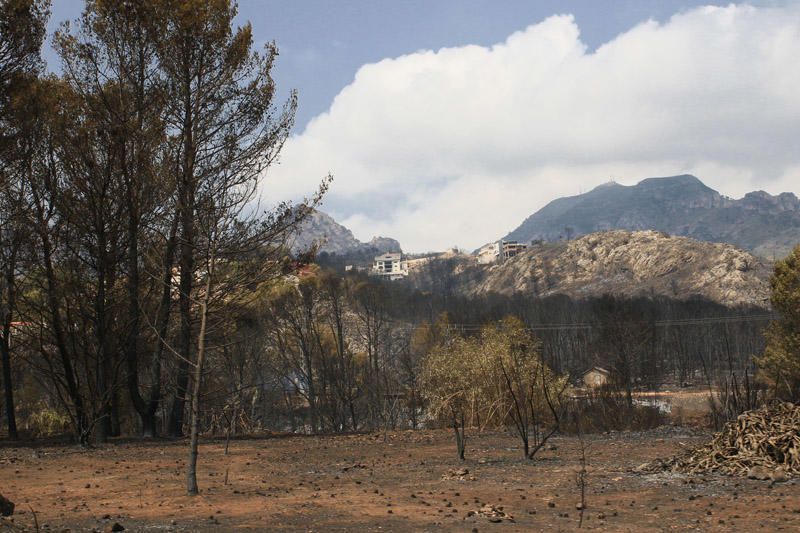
x: 8, y: 389
x: 194, y: 422
x: 134, y: 314
x: 80, y: 418
x: 103, y: 389
x: 186, y: 211
x: 460, y: 434
x: 5, y: 348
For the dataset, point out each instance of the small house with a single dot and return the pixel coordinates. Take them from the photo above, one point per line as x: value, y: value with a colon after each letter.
x: 596, y: 377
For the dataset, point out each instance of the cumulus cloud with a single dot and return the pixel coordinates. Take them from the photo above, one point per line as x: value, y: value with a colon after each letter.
x: 459, y: 145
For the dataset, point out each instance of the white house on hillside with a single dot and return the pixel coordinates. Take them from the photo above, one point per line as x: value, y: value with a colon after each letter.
x: 500, y: 251
x: 488, y: 253
x: 390, y: 265
x: 509, y: 249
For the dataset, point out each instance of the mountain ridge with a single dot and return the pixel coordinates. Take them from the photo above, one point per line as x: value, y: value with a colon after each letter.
x: 683, y: 205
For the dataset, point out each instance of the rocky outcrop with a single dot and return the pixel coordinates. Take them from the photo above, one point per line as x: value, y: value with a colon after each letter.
x: 766, y: 225
x: 324, y: 231
x: 640, y: 263
x: 384, y: 244
x: 330, y: 236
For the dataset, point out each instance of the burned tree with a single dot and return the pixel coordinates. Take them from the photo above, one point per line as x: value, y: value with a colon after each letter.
x: 451, y: 384
x: 531, y: 395
x: 22, y: 31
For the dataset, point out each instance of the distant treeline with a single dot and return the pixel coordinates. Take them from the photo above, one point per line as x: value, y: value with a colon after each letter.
x: 344, y: 352
x: 666, y: 340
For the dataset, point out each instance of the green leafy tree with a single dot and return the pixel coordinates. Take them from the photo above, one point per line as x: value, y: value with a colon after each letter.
x: 779, y: 365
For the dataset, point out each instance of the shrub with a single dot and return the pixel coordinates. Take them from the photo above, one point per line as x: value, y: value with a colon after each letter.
x: 46, y: 422
x: 606, y: 409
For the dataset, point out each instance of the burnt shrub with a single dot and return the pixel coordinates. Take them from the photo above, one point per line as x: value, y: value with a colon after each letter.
x: 607, y: 409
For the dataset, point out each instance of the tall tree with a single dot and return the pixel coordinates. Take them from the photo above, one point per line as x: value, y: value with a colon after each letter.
x: 223, y: 120
x: 22, y: 30
x: 625, y: 338
x: 221, y: 113
x: 110, y: 60
x: 86, y: 200
x: 59, y: 302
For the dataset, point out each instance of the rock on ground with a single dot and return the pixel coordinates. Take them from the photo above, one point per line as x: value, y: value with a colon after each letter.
x: 6, y: 506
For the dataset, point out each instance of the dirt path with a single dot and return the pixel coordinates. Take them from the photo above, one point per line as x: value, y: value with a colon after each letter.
x: 360, y: 483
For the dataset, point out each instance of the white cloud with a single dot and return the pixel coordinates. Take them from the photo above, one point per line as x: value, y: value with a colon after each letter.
x: 459, y: 145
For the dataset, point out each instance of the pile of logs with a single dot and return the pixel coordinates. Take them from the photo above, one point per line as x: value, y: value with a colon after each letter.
x: 757, y: 441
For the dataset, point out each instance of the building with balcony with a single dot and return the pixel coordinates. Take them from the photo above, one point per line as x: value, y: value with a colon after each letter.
x: 390, y: 265
x: 509, y: 249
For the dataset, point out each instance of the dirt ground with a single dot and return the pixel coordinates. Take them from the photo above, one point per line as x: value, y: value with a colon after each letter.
x: 361, y: 483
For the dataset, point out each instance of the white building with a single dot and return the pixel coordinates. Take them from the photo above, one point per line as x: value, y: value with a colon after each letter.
x: 509, y: 249
x: 500, y: 251
x: 489, y: 253
x: 390, y: 265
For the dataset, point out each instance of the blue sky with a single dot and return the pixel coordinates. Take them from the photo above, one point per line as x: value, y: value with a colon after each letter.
x: 323, y: 43
x: 449, y: 122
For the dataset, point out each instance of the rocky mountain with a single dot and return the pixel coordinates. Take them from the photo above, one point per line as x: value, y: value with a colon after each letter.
x: 768, y: 226
x: 640, y: 263
x: 332, y: 237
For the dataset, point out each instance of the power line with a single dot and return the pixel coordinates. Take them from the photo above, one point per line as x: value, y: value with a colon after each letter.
x: 764, y: 317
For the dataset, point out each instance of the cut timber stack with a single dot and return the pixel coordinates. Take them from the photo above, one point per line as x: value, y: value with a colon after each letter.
x: 763, y: 444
